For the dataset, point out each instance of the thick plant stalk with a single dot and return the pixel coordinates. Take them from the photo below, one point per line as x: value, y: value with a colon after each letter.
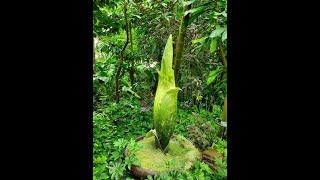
x: 94, y: 58
x: 225, y: 109
x: 117, y: 94
x: 224, y: 60
x: 180, y: 43
x: 165, y: 103
x: 131, y: 72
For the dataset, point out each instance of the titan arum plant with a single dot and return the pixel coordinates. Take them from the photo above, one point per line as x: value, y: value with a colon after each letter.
x: 165, y: 103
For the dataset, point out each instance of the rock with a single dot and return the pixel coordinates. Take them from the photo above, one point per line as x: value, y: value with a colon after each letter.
x: 140, y: 172
x: 209, y: 155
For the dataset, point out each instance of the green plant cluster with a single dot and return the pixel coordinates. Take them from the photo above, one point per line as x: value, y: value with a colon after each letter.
x: 115, y: 126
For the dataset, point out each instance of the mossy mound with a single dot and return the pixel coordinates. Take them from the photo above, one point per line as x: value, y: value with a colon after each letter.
x: 181, y: 155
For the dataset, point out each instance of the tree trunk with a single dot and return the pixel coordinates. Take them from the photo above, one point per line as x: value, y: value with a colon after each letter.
x: 94, y: 58
x: 117, y: 96
x: 132, y: 60
x: 224, y: 59
x: 180, y: 43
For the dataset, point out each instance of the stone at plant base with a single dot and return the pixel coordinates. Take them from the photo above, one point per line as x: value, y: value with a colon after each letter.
x: 209, y: 155
x: 154, y: 161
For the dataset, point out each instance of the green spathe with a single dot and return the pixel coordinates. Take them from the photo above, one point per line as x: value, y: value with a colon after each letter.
x: 165, y: 103
x: 180, y: 150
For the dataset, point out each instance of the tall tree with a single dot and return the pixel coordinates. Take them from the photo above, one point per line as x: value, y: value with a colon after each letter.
x: 180, y: 43
x: 131, y: 71
x: 117, y: 78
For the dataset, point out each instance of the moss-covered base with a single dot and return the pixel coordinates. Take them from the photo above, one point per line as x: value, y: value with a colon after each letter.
x: 181, y: 155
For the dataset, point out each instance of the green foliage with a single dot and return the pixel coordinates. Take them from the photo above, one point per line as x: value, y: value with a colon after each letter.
x: 165, y: 103
x: 111, y: 124
x: 203, y: 132
x: 116, y: 125
x: 213, y: 74
x: 200, y: 171
x: 217, y: 79
x: 221, y: 146
x: 203, y: 81
x: 105, y: 13
x: 116, y: 170
x: 213, y: 45
x: 221, y: 172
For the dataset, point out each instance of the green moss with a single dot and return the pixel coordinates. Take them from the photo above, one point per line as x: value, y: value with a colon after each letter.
x: 181, y: 155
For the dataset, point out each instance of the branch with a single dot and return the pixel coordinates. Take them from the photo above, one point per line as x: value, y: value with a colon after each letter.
x: 117, y: 97
x: 224, y: 60
x: 127, y: 32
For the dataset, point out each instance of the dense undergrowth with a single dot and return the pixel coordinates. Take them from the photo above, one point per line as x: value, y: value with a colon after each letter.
x: 117, y: 125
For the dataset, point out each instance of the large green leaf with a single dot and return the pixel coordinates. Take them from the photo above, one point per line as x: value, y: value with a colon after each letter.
x: 224, y: 36
x: 213, y: 75
x: 198, y: 40
x: 186, y: 3
x: 196, y: 10
x: 217, y: 32
x: 179, y: 9
x: 224, y: 13
x: 213, y: 45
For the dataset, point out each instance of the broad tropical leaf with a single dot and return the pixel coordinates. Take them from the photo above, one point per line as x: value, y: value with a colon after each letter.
x: 213, y: 74
x: 213, y: 45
